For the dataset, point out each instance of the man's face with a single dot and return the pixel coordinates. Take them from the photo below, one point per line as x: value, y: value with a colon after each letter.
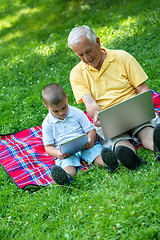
x: 89, y: 52
x: 60, y: 111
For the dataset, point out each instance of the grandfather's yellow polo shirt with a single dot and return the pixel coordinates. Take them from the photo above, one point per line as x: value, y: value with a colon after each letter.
x: 117, y: 80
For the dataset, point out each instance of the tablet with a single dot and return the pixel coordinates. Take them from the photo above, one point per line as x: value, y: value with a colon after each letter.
x: 75, y: 144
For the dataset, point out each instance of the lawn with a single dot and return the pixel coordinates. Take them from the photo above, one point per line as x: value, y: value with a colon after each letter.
x: 34, y: 53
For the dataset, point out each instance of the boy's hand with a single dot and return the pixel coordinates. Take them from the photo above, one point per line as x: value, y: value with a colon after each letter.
x: 88, y: 145
x: 62, y: 156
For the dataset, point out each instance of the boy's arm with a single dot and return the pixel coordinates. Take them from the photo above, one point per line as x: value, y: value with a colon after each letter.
x: 54, y: 152
x: 92, y: 136
x: 48, y: 141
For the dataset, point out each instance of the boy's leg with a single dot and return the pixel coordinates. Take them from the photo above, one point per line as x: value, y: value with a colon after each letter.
x: 63, y: 176
x: 98, y: 161
x: 71, y: 170
x: 107, y: 159
x: 101, y: 156
x: 64, y: 170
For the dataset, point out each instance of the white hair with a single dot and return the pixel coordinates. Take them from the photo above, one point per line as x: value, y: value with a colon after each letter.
x: 78, y: 33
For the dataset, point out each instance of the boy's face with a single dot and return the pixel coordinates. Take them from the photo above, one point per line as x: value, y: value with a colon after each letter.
x: 60, y: 111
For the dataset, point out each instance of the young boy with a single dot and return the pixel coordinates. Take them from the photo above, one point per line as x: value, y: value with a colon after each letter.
x: 65, y: 122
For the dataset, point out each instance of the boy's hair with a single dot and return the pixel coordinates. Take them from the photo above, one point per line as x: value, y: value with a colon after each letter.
x: 77, y: 33
x: 53, y: 94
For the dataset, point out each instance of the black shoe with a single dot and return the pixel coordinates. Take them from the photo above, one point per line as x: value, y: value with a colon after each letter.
x: 60, y: 176
x: 156, y: 141
x: 141, y: 161
x: 109, y: 159
x: 128, y: 157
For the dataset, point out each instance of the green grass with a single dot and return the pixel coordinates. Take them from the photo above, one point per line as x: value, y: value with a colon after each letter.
x: 34, y: 53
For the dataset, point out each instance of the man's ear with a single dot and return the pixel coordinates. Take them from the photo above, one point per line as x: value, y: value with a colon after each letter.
x: 98, y: 41
x: 67, y: 97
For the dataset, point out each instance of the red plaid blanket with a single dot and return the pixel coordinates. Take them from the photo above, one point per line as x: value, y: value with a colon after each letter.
x: 23, y: 156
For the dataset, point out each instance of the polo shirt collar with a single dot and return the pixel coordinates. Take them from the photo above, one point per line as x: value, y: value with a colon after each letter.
x: 55, y: 119
x: 110, y: 58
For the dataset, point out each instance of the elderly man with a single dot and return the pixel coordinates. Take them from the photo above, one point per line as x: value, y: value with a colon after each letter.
x: 102, y: 79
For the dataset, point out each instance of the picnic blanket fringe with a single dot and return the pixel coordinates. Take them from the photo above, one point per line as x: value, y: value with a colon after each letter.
x: 23, y: 157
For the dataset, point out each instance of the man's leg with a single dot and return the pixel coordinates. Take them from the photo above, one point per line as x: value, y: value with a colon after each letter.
x: 102, y: 156
x: 150, y: 139
x: 149, y: 135
x: 156, y: 140
x: 145, y: 135
x: 126, y: 154
x: 122, y: 149
x: 126, y: 143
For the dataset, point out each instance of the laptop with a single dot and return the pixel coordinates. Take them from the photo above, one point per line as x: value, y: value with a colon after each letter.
x: 74, y: 145
x: 126, y: 115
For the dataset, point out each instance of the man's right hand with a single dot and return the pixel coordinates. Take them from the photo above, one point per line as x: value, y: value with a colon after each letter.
x: 96, y: 121
x: 92, y: 108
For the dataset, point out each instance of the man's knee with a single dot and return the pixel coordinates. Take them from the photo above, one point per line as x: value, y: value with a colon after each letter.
x: 145, y: 135
x: 126, y: 143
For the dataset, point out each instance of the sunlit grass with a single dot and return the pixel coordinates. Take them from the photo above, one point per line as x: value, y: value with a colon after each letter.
x: 34, y: 53
x: 11, y: 19
x: 126, y: 28
x: 46, y: 50
x: 11, y: 36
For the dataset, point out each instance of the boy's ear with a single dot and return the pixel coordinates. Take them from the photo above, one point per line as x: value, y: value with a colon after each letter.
x: 45, y: 105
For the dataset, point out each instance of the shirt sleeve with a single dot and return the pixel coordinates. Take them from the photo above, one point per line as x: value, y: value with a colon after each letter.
x: 47, y: 133
x: 135, y: 72
x: 78, y: 84
x: 83, y: 120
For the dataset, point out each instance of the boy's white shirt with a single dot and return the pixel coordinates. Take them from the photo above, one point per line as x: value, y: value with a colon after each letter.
x: 56, y: 131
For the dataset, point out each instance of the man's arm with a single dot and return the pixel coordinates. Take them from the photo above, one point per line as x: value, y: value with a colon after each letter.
x: 92, y: 108
x: 142, y: 87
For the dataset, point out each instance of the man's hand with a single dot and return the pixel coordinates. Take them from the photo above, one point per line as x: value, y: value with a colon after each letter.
x: 142, y: 87
x: 96, y: 121
x: 92, y: 108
